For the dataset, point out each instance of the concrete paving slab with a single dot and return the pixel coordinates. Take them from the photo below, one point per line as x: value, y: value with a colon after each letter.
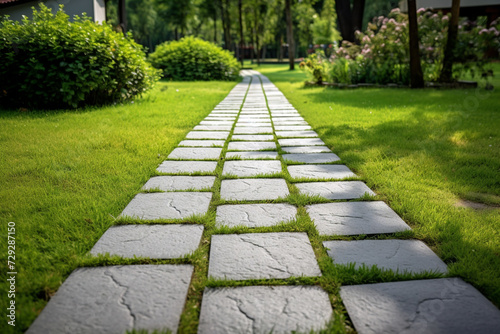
x: 306, y: 149
x: 176, y: 205
x: 250, y: 155
x: 242, y: 168
x: 296, y: 134
x: 253, y: 137
x: 242, y: 130
x: 179, y: 167
x: 194, y: 153
x: 168, y: 241
x: 253, y: 189
x: 172, y: 183
x: 311, y: 158
x: 254, y: 215
x: 253, y: 124
x: 216, y: 123
x: 398, y: 255
x: 202, y: 143
x: 335, y: 190
x: 251, y: 145
x: 207, y: 135
x: 301, y: 142
x: 117, y: 299
x: 292, y: 128
x: 261, y: 256
x: 445, y: 306
x: 264, y: 309
x: 353, y: 218
x: 320, y: 171
x: 213, y: 128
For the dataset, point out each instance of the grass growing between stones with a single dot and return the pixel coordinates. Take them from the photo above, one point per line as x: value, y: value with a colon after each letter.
x: 67, y: 174
x: 430, y: 154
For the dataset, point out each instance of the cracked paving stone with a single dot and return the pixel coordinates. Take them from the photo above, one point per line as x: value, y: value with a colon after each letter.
x: 311, y: 158
x: 252, y: 155
x: 238, y: 130
x: 175, y: 167
x: 208, y: 134
x: 305, y: 149
x: 169, y: 241
x: 195, y: 153
x: 335, y: 190
x: 251, y: 145
x: 445, y: 305
x: 264, y: 309
x: 353, y: 218
x: 301, y: 142
x: 169, y: 183
x: 296, y: 134
x: 116, y: 299
x: 175, y: 205
x: 261, y: 256
x: 251, y: 168
x: 254, y: 215
x: 320, y: 171
x: 253, y: 137
x: 253, y: 189
x: 398, y: 255
x: 202, y: 143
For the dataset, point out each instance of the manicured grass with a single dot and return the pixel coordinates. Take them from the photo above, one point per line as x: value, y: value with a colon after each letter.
x: 424, y: 152
x: 67, y: 174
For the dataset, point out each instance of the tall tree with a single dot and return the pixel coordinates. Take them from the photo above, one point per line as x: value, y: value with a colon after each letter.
x: 289, y: 34
x: 177, y: 13
x: 416, y: 75
x: 447, y: 70
x: 122, y: 15
x: 226, y: 22
x: 350, y: 20
x: 242, y: 41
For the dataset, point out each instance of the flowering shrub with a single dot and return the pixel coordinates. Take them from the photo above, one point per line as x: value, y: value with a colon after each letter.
x: 382, y: 55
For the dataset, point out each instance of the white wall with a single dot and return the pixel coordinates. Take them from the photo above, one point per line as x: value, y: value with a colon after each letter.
x: 94, y: 8
x: 447, y: 3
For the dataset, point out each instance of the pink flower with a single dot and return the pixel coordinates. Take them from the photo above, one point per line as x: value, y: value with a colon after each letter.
x: 365, y: 39
x: 395, y: 11
x: 347, y: 57
x: 430, y: 48
x: 385, y: 21
x: 383, y: 27
x: 420, y: 10
x: 397, y: 41
x: 435, y: 16
x: 445, y: 18
x: 392, y: 21
x: 483, y: 31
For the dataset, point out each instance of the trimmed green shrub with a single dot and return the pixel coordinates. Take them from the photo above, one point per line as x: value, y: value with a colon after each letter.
x: 194, y: 59
x: 49, y: 62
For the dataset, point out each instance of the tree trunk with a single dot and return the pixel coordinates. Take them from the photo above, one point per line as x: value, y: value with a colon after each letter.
x: 447, y: 70
x: 122, y: 16
x: 227, y: 30
x: 416, y: 76
x: 358, y: 9
x: 344, y: 15
x: 215, y: 26
x: 289, y: 35
x: 242, y: 42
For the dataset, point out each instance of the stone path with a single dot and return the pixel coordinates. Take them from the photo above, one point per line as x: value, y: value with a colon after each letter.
x: 256, y: 136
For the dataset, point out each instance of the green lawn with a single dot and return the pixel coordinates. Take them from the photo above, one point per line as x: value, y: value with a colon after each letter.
x: 66, y: 174
x: 424, y: 152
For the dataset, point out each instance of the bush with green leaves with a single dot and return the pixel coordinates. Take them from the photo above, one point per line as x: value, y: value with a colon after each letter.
x: 194, y: 59
x: 49, y: 62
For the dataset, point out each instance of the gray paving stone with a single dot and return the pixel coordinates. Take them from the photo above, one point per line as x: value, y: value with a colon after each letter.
x: 242, y: 130
x: 352, y: 218
x: 220, y: 118
x: 170, y: 183
x: 301, y: 142
x: 179, y: 167
x: 207, y: 135
x: 445, y: 306
x: 213, y: 128
x: 320, y: 171
x: 292, y: 128
x: 311, y: 158
x: 254, y: 215
x: 335, y: 190
x: 167, y: 205
x: 286, y: 122
x: 202, y: 143
x: 253, y: 125
x: 264, y: 309
x: 168, y: 241
x: 242, y: 168
x: 251, y: 145
x: 205, y: 153
x: 256, y: 118
x: 296, y: 134
x: 252, y: 155
x: 216, y: 123
x: 116, y: 299
x: 261, y: 255
x: 253, y: 189
x: 398, y: 255
x: 305, y: 149
x: 253, y: 137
